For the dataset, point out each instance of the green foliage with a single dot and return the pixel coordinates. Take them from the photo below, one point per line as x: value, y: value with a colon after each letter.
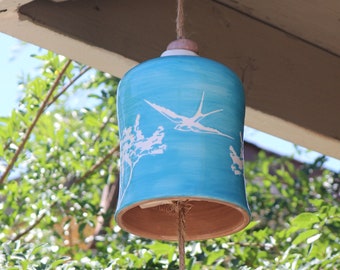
x: 51, y: 201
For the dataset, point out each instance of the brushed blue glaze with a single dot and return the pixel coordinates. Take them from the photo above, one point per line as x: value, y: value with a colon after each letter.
x: 181, y: 124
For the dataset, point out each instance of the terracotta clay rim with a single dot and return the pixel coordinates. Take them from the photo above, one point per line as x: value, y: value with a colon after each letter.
x: 184, y: 44
x: 245, y: 214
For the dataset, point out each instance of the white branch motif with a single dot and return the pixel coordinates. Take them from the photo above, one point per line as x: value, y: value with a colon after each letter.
x: 134, y: 146
x: 184, y: 123
x: 238, y: 160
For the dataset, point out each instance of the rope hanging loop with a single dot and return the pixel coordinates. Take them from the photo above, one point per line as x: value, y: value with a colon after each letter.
x: 182, y: 42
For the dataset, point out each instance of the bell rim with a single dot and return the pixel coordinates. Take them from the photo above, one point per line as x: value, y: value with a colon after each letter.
x: 245, y: 213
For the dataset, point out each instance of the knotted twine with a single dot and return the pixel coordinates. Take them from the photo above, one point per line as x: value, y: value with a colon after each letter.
x: 178, y: 209
x: 181, y: 209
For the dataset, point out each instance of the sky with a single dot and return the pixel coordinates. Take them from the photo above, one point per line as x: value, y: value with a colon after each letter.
x: 16, y: 61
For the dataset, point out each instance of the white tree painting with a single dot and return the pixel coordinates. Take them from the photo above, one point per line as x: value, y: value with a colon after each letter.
x: 184, y: 123
x: 134, y: 146
x: 238, y: 160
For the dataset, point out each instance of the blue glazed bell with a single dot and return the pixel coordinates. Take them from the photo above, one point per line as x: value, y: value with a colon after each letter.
x: 181, y: 121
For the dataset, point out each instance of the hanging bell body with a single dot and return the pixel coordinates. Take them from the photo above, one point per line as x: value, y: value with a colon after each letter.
x: 181, y: 120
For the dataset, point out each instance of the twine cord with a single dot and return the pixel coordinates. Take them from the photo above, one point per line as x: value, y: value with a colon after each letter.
x: 181, y: 209
x: 180, y: 20
x: 181, y: 237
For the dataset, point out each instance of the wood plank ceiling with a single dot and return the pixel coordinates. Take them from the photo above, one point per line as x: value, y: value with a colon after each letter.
x: 287, y: 53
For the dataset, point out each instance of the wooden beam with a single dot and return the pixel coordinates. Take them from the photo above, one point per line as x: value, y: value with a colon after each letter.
x: 291, y: 85
x: 291, y: 132
x: 16, y: 25
x: 315, y: 21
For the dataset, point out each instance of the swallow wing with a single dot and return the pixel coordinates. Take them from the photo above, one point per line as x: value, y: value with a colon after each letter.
x: 203, y: 129
x: 166, y: 112
x: 199, y: 115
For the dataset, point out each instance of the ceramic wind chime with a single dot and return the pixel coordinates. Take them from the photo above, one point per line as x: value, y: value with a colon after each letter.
x: 181, y: 119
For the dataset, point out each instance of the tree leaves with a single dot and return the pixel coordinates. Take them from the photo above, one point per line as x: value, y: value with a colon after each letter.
x: 305, y: 220
x: 307, y: 237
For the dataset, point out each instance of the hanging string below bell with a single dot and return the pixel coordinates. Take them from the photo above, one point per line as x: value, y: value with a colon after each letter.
x: 182, y: 208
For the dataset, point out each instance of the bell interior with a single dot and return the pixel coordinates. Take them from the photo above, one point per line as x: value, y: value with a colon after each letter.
x: 205, y: 219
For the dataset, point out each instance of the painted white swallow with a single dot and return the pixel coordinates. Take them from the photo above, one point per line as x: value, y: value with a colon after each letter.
x: 189, y: 123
